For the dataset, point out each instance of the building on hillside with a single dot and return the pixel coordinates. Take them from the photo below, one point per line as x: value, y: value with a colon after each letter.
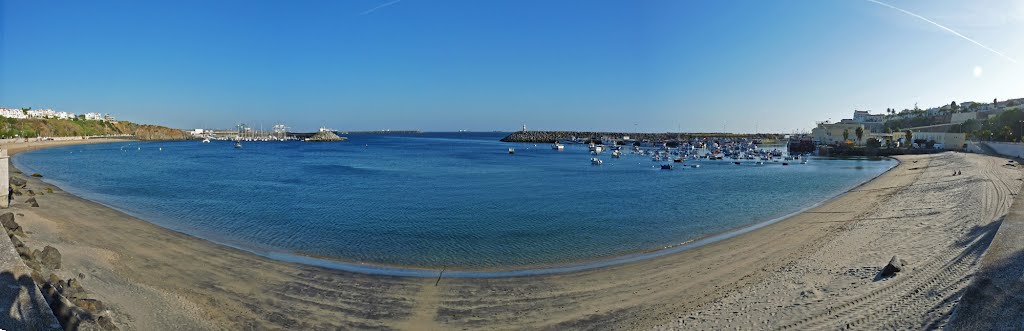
x: 94, y: 116
x: 108, y: 118
x: 863, y: 116
x: 12, y: 113
x: 831, y: 133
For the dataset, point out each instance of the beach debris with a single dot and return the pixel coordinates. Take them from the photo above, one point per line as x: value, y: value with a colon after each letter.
x: 895, y: 265
x: 31, y: 193
x: 49, y: 257
x: 12, y: 227
x: 36, y: 175
x: 32, y: 202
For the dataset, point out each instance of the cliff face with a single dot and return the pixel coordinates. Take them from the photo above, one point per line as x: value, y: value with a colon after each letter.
x: 10, y: 127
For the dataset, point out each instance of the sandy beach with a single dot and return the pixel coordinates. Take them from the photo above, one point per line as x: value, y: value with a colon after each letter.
x: 814, y: 270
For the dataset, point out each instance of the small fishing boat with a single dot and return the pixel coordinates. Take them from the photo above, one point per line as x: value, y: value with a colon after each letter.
x: 238, y: 144
x: 737, y: 162
x: 666, y: 166
x: 695, y: 166
x: 206, y: 140
x: 785, y: 163
x: 616, y: 154
x: 678, y: 160
x: 511, y: 150
x: 596, y: 161
x: 556, y: 146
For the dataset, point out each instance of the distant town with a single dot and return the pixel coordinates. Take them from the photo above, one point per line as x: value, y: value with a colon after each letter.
x: 27, y: 113
x: 944, y: 127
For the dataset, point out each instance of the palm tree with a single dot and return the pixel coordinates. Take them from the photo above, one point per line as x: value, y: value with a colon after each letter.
x: 846, y: 135
x: 860, y: 133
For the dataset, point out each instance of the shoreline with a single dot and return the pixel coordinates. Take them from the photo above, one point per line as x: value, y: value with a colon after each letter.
x: 370, y: 268
x: 153, y: 278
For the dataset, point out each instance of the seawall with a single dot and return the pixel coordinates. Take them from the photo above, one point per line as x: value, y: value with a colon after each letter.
x: 1007, y: 149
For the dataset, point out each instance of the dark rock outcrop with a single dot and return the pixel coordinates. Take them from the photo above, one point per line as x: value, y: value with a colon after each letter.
x: 325, y: 136
x: 895, y: 265
x: 32, y: 202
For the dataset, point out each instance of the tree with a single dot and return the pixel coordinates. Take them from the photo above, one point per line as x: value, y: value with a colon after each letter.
x: 994, y: 102
x: 846, y: 135
x: 860, y: 133
x: 909, y: 135
x: 952, y: 105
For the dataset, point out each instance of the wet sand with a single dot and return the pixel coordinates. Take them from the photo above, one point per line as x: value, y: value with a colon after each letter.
x: 814, y: 269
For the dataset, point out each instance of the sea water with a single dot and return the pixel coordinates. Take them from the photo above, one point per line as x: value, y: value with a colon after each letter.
x: 434, y: 200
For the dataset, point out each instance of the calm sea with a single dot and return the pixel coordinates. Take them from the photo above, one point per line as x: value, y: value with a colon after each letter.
x: 436, y: 199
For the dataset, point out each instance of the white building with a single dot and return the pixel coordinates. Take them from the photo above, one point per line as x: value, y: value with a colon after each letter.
x: 50, y: 113
x: 94, y: 116
x: 12, y: 113
x: 862, y: 116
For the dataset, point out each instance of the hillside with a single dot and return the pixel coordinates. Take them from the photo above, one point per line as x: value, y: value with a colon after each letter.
x: 10, y: 127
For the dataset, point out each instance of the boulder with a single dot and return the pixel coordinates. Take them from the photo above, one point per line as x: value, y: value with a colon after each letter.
x: 49, y: 257
x: 92, y: 306
x: 106, y: 323
x: 73, y: 290
x: 31, y: 193
x: 17, y: 242
x: 12, y: 227
x: 38, y: 278
x: 15, y: 181
x: 895, y: 265
x: 37, y: 175
x: 55, y: 282
x: 32, y: 202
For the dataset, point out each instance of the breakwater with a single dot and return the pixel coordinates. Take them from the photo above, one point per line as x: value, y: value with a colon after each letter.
x: 588, y: 136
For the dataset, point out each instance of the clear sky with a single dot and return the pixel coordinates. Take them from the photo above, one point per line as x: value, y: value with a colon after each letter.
x: 738, y: 66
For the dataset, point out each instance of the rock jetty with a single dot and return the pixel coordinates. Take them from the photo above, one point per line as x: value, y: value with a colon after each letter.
x: 326, y: 136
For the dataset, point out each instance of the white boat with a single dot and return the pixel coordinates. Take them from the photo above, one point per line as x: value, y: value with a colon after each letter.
x: 238, y: 144
x: 616, y: 154
x: 556, y: 146
x: 511, y: 150
x: 596, y: 161
x: 206, y: 140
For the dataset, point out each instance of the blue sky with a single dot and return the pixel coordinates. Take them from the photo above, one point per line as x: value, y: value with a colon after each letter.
x: 738, y: 66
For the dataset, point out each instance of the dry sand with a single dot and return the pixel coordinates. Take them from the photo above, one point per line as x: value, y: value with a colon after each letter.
x: 813, y: 270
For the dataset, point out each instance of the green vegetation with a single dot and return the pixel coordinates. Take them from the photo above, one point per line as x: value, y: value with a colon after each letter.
x: 31, y: 128
x: 1006, y: 126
